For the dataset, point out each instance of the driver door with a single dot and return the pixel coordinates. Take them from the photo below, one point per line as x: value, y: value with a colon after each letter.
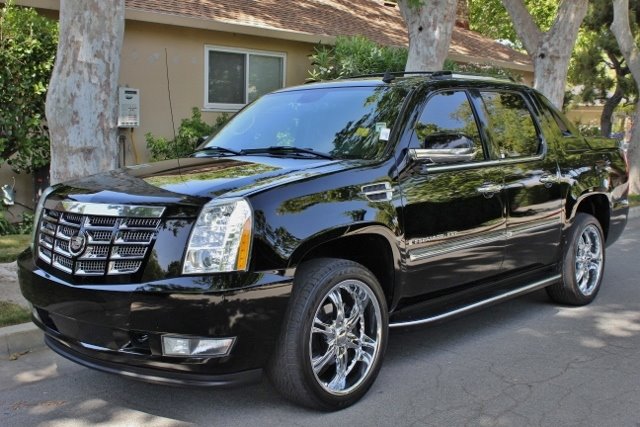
x: 454, y: 212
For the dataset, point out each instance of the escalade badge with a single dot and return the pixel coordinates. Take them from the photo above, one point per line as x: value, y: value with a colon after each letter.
x: 77, y: 244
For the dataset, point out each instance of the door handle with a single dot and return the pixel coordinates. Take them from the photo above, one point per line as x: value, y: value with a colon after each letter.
x: 548, y: 180
x: 489, y: 189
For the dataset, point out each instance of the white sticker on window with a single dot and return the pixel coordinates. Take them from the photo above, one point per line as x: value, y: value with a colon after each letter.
x: 380, y: 126
x: 384, y: 134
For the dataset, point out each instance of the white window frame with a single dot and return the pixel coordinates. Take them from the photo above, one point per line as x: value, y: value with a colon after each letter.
x: 216, y: 106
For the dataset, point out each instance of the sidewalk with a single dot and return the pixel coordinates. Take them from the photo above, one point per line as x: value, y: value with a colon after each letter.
x: 25, y: 337
x: 17, y: 338
x: 9, y: 289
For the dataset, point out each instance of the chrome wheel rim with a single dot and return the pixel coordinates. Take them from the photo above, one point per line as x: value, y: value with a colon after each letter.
x: 345, y: 337
x: 589, y: 260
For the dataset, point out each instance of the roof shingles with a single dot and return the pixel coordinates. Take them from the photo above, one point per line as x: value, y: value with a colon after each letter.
x: 370, y: 18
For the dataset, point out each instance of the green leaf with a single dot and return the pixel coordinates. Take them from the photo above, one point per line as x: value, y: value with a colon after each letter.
x: 28, y: 43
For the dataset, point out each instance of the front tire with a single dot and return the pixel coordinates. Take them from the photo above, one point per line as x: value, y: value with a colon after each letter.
x: 583, y: 263
x: 334, y: 335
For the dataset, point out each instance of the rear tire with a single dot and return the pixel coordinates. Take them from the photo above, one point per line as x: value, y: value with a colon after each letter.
x: 334, y: 335
x: 582, y: 263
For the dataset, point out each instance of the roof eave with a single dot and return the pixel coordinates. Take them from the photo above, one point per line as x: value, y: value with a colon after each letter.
x: 205, y: 24
x: 213, y: 25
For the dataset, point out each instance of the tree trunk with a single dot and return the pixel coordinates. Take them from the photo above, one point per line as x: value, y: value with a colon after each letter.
x: 430, y: 26
x: 82, y: 101
x: 608, y: 109
x: 622, y: 32
x: 633, y: 153
x: 549, y: 51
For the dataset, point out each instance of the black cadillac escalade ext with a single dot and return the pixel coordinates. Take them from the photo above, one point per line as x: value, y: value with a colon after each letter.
x: 317, y: 219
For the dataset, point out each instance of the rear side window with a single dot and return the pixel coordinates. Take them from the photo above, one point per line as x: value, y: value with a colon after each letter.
x: 511, y: 125
x: 447, y: 121
x: 564, y: 125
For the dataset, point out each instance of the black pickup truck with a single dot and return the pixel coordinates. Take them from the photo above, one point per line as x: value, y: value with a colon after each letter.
x: 317, y: 219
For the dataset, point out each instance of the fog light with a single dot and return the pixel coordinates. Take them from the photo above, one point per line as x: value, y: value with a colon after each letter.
x: 186, y: 346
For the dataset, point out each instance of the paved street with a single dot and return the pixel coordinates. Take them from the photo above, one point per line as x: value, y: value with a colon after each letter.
x: 525, y: 362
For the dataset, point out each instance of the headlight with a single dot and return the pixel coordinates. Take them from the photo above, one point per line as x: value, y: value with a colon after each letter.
x: 221, y: 238
x: 37, y: 213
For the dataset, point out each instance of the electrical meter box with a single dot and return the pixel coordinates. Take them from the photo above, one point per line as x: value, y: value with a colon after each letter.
x: 129, y: 107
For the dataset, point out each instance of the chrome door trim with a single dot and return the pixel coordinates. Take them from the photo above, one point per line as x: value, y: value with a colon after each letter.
x: 528, y: 228
x: 442, y: 249
x: 483, y: 164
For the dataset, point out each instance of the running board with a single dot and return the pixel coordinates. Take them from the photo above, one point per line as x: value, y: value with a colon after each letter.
x: 476, y: 305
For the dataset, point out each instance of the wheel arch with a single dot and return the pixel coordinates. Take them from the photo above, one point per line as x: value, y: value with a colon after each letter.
x: 371, y: 246
x: 596, y: 204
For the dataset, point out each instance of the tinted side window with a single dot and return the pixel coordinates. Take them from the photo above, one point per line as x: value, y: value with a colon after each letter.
x: 510, y: 124
x: 447, y: 121
x: 565, y: 126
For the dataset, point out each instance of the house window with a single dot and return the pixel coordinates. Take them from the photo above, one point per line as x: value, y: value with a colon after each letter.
x: 235, y: 77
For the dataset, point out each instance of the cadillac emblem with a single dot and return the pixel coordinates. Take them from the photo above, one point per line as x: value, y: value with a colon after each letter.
x: 77, y: 243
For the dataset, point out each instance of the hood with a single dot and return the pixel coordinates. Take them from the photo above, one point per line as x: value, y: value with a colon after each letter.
x: 192, y: 181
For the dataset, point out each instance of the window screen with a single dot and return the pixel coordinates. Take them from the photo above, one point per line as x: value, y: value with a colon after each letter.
x: 226, y: 77
x: 235, y: 77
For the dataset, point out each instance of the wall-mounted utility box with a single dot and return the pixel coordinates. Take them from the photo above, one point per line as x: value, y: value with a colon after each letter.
x: 129, y: 107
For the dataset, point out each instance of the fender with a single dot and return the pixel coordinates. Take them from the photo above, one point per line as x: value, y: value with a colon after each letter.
x: 336, y: 233
x: 575, y: 203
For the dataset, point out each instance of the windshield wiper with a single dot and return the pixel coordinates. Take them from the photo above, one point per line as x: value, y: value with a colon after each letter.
x: 285, y: 149
x: 219, y: 150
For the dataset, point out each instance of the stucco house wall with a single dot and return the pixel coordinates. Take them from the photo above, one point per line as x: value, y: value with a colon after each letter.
x: 152, y: 51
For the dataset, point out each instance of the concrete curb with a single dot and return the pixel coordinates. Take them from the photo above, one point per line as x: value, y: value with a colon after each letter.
x: 27, y: 336
x: 20, y: 338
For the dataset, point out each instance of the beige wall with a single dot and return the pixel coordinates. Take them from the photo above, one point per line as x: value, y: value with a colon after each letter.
x: 143, y: 67
x: 527, y: 77
x: 585, y: 115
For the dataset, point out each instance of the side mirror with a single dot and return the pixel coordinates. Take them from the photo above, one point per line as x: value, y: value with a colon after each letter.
x: 445, y: 148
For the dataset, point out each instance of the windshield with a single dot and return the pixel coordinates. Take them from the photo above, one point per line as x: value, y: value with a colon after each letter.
x: 345, y: 123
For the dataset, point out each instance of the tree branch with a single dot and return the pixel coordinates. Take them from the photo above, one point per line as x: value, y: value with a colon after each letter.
x: 526, y: 28
x: 569, y: 11
x: 622, y: 32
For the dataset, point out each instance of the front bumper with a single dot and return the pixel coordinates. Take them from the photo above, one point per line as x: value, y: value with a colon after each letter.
x: 118, y: 328
x: 150, y: 375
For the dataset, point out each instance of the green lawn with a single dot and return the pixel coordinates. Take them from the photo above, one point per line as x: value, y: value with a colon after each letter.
x: 634, y: 200
x: 13, y: 314
x: 11, y: 245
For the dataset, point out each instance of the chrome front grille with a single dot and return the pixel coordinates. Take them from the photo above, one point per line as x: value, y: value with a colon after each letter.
x: 95, y: 245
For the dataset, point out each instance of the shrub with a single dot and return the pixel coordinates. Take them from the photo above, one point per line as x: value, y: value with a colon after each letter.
x: 190, y: 132
x: 28, y: 44
x: 25, y: 226
x: 355, y: 55
x: 5, y: 226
